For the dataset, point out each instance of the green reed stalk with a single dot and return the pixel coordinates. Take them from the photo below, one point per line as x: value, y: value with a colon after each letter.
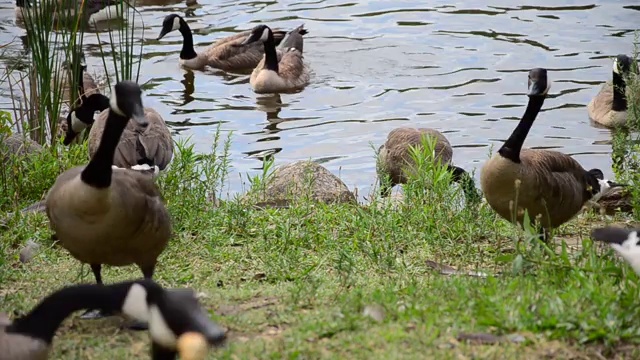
x: 50, y: 43
x: 122, y: 52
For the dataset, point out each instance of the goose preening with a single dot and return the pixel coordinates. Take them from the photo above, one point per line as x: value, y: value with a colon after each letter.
x: 609, y: 107
x: 624, y: 241
x: 282, y: 69
x: 394, y: 158
x: 226, y: 54
x: 550, y: 185
x: 173, y: 315
x: 103, y: 215
x: 141, y: 147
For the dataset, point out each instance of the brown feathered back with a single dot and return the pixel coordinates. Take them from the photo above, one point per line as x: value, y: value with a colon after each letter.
x: 552, y: 185
x: 394, y: 155
x: 152, y: 145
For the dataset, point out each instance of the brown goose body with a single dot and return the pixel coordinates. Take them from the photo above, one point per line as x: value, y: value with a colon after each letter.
x: 282, y: 69
x: 394, y: 156
x: 150, y: 145
x: 228, y: 53
x: 20, y: 346
x: 551, y: 186
x: 124, y: 224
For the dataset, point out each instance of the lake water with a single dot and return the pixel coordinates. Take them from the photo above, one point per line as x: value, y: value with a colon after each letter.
x: 456, y: 66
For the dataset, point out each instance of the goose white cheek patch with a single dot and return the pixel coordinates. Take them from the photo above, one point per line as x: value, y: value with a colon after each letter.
x: 630, y: 251
x: 113, y: 104
x: 265, y: 35
x: 615, y: 66
x: 135, y: 304
x: 176, y: 24
x: 76, y: 124
x: 159, y: 330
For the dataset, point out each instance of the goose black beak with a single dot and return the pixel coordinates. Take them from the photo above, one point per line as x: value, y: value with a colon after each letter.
x: 162, y: 34
x: 138, y: 115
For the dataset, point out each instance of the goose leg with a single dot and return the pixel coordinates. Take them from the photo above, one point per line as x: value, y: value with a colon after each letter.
x: 545, y: 236
x: 147, y: 272
x: 91, y: 314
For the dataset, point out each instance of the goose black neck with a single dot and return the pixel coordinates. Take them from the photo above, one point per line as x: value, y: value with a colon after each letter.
x: 187, y: 52
x: 619, y: 98
x: 511, y: 148
x: 45, y: 319
x: 98, y: 172
x: 270, y: 55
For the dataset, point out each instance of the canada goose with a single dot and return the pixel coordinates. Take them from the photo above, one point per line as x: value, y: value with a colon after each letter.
x: 609, y: 107
x: 227, y: 54
x: 86, y: 84
x: 394, y: 157
x: 111, y: 216
x: 140, y: 147
x: 281, y: 69
x: 548, y: 184
x: 17, y: 145
x: 624, y: 241
x: 30, y: 336
x: 22, y: 10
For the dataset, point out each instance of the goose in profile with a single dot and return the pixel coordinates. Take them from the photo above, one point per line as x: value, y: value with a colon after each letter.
x: 228, y: 54
x: 282, y: 69
x: 103, y: 215
x: 175, y: 317
x: 609, y: 107
x: 624, y: 241
x: 550, y: 185
x: 394, y: 158
x: 149, y: 147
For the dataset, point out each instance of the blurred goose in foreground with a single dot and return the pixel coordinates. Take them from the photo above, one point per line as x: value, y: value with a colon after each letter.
x: 111, y: 216
x: 551, y: 186
x: 149, y: 147
x: 609, y: 107
x: 282, y: 69
x: 229, y: 53
x: 394, y: 159
x: 624, y: 241
x: 174, y: 315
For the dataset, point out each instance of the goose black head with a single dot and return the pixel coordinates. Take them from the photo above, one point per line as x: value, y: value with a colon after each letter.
x: 81, y: 117
x: 622, y: 64
x: 126, y: 101
x: 171, y: 22
x: 258, y: 33
x: 538, y: 82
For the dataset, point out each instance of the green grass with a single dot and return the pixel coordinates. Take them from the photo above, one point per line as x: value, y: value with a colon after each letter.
x: 293, y: 283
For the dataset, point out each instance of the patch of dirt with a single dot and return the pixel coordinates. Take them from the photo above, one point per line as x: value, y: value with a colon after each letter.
x: 268, y: 333
x: 252, y: 304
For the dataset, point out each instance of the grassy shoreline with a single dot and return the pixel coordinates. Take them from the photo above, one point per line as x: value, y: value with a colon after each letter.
x: 295, y: 282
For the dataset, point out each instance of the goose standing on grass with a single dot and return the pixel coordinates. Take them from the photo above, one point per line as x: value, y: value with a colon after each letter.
x: 624, y: 241
x: 175, y: 317
x: 550, y: 185
x: 111, y: 216
x: 147, y: 147
x: 394, y: 158
x: 609, y: 107
x: 282, y: 69
x: 228, y: 54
